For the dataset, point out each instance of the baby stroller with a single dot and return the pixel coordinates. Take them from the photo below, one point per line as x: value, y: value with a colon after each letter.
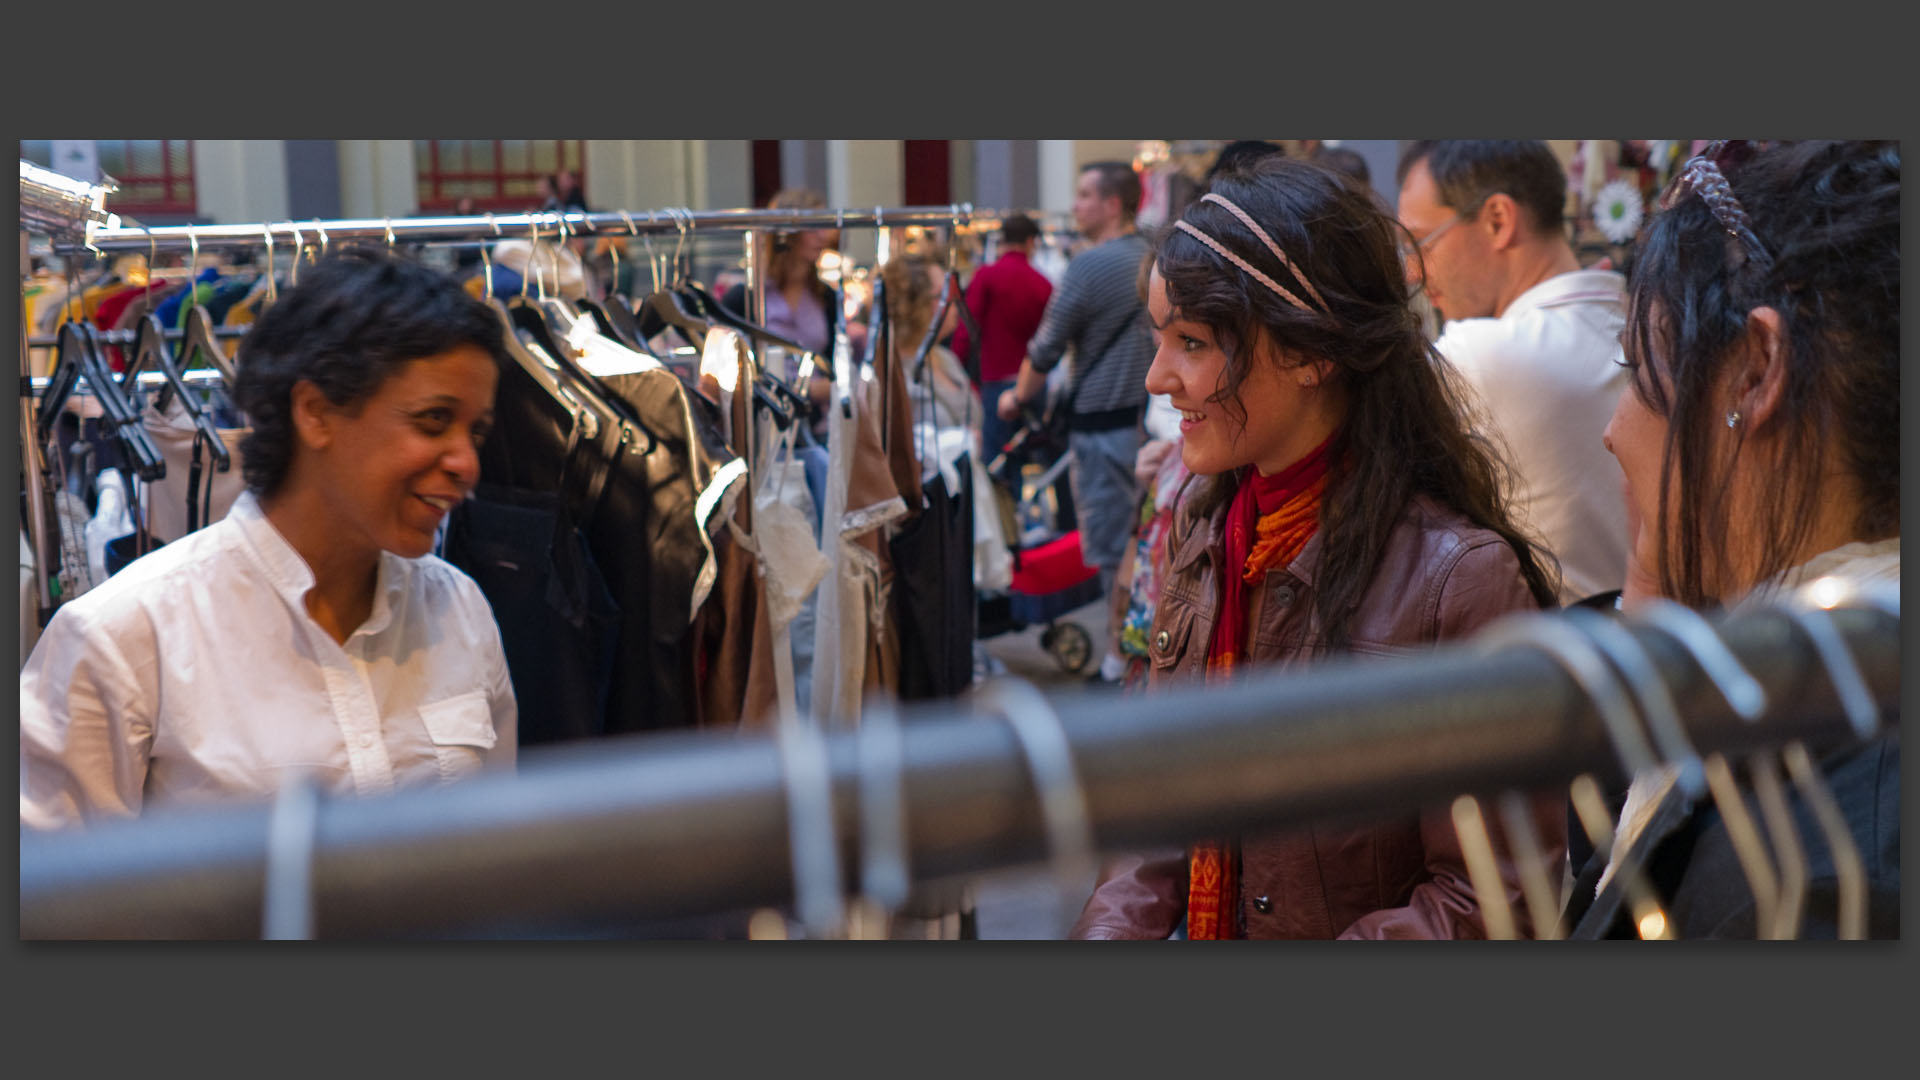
x: 1049, y: 576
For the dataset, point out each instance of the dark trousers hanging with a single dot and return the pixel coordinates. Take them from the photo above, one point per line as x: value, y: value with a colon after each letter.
x: 933, y: 601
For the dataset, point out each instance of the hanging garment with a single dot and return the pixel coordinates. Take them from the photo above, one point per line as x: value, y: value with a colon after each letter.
x: 860, y: 499
x: 168, y: 310
x: 75, y: 577
x: 736, y: 644
x: 790, y: 569
x: 110, y: 521
x: 559, y: 623
x: 649, y: 536
x: 166, y: 500
x: 933, y: 601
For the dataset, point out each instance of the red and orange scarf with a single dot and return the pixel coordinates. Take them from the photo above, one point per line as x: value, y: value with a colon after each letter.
x: 1268, y: 525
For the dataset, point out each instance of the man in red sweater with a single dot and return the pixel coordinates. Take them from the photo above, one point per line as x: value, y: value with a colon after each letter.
x: 1006, y: 300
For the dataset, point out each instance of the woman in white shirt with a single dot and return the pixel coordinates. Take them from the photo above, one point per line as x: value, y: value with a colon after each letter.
x: 310, y: 631
x: 1760, y: 441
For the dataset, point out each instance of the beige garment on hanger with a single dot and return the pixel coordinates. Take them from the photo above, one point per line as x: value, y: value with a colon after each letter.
x: 165, y: 500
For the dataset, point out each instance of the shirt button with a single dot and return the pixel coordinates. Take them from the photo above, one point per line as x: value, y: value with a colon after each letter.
x: 1263, y: 905
x: 1161, y: 639
x: 1283, y: 596
x: 366, y: 741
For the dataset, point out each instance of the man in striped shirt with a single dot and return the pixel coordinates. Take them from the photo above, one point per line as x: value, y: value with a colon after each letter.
x: 1098, y: 313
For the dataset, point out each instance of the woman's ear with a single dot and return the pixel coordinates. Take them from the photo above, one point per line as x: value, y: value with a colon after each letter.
x: 1761, y: 373
x: 312, y: 415
x: 1314, y: 373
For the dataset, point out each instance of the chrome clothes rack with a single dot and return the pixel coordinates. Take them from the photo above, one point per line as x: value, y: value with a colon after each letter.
x: 659, y: 827
x: 74, y: 212
x: 507, y: 226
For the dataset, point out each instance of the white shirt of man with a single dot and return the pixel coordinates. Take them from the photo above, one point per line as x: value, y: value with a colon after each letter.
x: 196, y: 674
x: 1548, y: 375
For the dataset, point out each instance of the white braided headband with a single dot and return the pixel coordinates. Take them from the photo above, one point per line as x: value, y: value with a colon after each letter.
x: 1247, y: 220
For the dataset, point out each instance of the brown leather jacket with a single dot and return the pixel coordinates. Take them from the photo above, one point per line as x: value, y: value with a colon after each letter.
x: 1439, y: 578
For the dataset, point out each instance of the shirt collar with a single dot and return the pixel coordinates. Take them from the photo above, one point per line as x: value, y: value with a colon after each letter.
x: 292, y: 578
x: 1861, y: 561
x: 1574, y: 286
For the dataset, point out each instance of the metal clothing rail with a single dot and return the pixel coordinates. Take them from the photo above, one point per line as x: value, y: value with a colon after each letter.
x: 658, y: 827
x: 128, y: 337
x: 506, y: 226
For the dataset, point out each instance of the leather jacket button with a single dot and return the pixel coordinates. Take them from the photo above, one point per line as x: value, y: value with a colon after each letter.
x: 1161, y: 640
x: 1283, y: 596
x: 1263, y: 905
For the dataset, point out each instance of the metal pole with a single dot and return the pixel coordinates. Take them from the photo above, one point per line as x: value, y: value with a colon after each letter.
x: 34, y: 469
x: 756, y: 277
x: 178, y: 237
x: 658, y: 827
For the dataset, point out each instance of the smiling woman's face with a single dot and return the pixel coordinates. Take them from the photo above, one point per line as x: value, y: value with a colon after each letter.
x: 1282, y: 420
x: 391, y: 467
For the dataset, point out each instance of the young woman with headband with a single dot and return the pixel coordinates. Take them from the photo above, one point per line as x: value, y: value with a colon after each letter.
x: 1339, y: 504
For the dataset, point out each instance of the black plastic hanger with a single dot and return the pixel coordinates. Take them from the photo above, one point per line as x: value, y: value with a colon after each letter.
x: 198, y: 343
x: 971, y: 361
x: 667, y: 309
x: 150, y: 350
x: 77, y: 354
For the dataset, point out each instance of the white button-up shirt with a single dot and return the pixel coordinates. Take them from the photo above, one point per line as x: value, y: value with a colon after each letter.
x: 1547, y: 372
x: 197, y: 674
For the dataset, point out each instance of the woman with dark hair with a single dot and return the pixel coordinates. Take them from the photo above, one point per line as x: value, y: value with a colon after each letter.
x: 310, y: 630
x: 1760, y: 443
x: 1339, y: 503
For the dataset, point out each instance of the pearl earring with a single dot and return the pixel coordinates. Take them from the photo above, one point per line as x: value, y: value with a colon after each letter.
x: 1733, y: 418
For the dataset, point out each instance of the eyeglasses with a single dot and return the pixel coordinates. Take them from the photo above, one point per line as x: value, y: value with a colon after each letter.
x: 1425, y: 243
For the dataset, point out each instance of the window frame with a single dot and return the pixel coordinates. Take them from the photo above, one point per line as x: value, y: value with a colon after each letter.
x: 430, y: 181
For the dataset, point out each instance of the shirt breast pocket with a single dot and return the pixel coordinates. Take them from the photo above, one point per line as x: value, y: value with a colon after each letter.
x: 461, y: 728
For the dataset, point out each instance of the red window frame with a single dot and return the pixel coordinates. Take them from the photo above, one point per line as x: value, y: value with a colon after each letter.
x: 441, y: 183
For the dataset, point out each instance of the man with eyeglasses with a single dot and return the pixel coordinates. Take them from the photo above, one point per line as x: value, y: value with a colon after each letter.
x: 1535, y: 336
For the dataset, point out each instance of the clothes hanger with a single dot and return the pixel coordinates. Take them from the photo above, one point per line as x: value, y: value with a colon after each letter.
x: 197, y: 339
x: 970, y: 362
x: 1483, y: 871
x: 549, y: 324
x: 1764, y: 776
x: 667, y: 308
x: 1545, y: 905
x: 1575, y: 654
x: 547, y: 374
x: 613, y: 318
x: 150, y: 350
x: 77, y: 354
x: 813, y: 842
x: 293, y: 825
x: 1063, y: 802
x: 299, y: 246
x: 1810, y: 609
x: 1816, y: 623
x: 586, y: 327
x: 885, y: 875
x: 1662, y: 716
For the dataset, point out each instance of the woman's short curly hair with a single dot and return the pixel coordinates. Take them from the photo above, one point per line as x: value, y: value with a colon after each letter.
x: 355, y: 319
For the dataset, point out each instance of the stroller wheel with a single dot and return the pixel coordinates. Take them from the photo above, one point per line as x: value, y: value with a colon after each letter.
x: 1070, y: 645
